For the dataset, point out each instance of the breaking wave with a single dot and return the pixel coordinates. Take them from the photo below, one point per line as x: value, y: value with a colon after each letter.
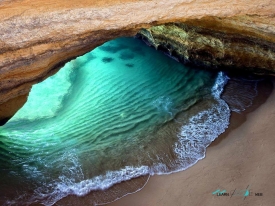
x: 109, y: 116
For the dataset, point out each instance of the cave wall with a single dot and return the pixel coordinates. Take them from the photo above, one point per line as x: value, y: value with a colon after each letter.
x: 39, y: 37
x: 216, y: 43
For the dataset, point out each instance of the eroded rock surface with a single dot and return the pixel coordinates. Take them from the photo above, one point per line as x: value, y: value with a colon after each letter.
x: 229, y: 44
x: 38, y: 37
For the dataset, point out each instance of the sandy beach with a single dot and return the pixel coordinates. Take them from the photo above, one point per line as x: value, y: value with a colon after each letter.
x: 238, y: 161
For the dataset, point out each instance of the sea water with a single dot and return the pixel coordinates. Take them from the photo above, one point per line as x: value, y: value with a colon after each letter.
x: 121, y: 111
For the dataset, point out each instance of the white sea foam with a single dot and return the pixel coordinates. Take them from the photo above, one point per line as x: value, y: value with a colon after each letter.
x: 203, y: 128
x: 163, y: 104
x: 193, y: 140
x: 220, y: 82
x: 66, y: 186
x: 64, y: 176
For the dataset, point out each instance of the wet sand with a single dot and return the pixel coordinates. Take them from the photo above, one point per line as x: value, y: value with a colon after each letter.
x: 242, y: 158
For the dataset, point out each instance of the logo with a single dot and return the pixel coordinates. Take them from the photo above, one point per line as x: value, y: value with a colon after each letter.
x: 237, y: 192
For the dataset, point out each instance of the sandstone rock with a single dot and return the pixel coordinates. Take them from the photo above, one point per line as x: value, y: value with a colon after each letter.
x: 38, y: 37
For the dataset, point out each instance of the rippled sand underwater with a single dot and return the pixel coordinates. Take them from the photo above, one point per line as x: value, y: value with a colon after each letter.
x: 122, y: 111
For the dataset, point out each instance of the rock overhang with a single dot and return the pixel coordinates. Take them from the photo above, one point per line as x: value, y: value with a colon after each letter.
x: 37, y: 38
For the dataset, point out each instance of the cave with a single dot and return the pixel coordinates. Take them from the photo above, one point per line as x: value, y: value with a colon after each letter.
x: 98, y: 99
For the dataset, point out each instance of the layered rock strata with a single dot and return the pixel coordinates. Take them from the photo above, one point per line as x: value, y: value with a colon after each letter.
x: 39, y: 37
x: 217, y: 43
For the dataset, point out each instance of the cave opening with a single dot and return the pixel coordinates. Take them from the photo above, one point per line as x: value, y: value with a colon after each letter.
x: 121, y: 111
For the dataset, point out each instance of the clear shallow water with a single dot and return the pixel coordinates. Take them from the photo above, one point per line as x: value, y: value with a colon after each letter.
x: 121, y: 111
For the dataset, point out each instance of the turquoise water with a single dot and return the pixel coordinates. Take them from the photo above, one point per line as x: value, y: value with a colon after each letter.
x: 121, y: 111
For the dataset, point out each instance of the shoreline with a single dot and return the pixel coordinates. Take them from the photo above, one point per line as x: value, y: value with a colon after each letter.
x: 240, y: 158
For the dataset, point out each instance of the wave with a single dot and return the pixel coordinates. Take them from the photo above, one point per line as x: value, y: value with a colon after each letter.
x: 195, y: 136
x: 110, y: 124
